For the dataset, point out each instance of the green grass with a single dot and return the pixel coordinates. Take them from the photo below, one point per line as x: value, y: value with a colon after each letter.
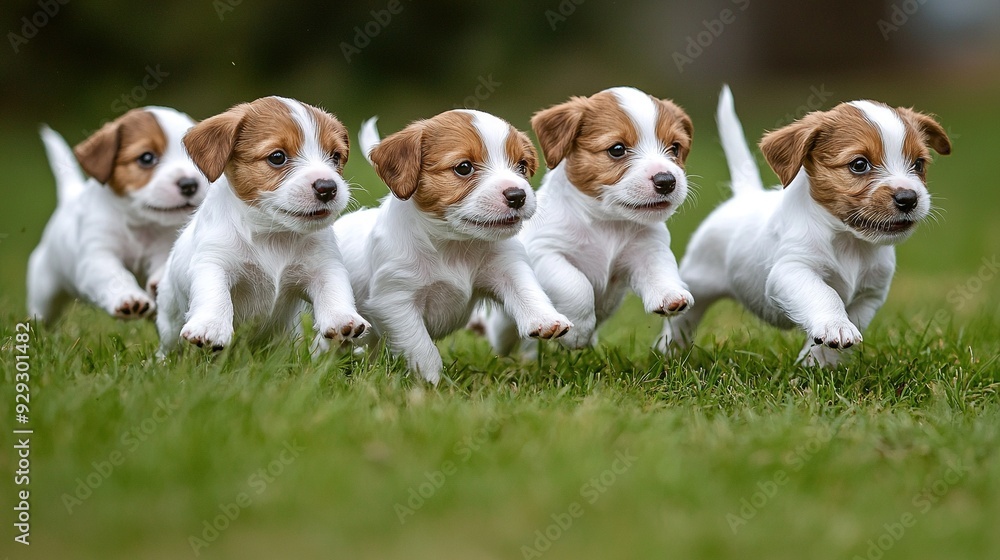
x: 502, y: 449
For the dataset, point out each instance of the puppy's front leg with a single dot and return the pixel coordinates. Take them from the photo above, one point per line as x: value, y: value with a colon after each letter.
x: 210, y: 315
x: 812, y: 304
x: 572, y: 294
x: 402, y: 325
x: 514, y: 285
x: 336, y: 315
x: 104, y: 280
x: 653, y: 275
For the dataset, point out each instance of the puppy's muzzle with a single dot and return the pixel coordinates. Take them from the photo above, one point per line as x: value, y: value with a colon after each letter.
x: 664, y: 183
x: 325, y: 189
x: 188, y: 186
x: 515, y: 197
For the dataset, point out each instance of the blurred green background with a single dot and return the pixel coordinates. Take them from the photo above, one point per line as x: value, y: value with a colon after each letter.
x: 79, y: 64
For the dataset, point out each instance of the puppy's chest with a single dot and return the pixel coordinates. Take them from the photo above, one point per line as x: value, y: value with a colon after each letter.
x: 446, y: 297
x: 268, y: 278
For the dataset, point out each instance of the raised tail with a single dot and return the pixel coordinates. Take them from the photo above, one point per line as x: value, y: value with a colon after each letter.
x: 368, y: 137
x: 743, y: 171
x: 69, y: 176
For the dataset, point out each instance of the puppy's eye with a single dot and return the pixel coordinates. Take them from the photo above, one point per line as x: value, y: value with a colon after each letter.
x: 675, y: 149
x: 617, y: 151
x: 277, y: 158
x: 522, y: 167
x: 919, y: 165
x: 147, y: 160
x: 337, y: 158
x: 859, y: 166
x: 464, y: 169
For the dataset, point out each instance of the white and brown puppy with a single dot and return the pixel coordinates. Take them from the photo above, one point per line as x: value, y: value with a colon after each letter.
x: 817, y: 255
x: 110, y: 235
x: 617, y: 160
x: 261, y: 244
x: 445, y: 239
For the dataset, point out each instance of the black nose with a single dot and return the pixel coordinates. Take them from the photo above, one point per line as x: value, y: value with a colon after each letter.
x: 325, y: 189
x: 188, y: 186
x: 905, y: 199
x: 664, y: 183
x: 515, y: 197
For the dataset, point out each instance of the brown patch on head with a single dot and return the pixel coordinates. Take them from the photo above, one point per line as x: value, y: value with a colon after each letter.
x: 240, y: 141
x: 111, y: 155
x: 420, y: 161
x: 674, y: 127
x: 582, y: 130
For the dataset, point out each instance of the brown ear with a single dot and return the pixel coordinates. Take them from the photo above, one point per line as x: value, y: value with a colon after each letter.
x: 785, y: 149
x: 557, y: 127
x: 210, y: 142
x: 934, y: 134
x: 397, y: 160
x: 97, y: 153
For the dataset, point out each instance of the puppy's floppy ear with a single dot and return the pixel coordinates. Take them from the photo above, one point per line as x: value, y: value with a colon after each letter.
x: 786, y: 149
x: 934, y: 134
x: 397, y: 160
x: 683, y: 120
x: 97, y: 153
x: 210, y: 142
x: 557, y: 127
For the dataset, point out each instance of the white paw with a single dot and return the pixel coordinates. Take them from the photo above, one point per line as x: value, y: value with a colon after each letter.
x: 836, y: 334
x: 674, y: 303
x: 133, y: 306
x: 211, y: 332
x: 548, y: 328
x: 345, y: 326
x: 429, y: 367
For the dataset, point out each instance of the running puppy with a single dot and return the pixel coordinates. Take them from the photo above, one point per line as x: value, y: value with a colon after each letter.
x: 617, y: 160
x: 261, y: 245
x: 445, y: 239
x: 110, y: 236
x: 817, y: 255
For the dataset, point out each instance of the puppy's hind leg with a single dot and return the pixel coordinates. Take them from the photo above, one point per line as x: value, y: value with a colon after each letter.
x: 501, y: 331
x: 47, y: 298
x: 679, y: 331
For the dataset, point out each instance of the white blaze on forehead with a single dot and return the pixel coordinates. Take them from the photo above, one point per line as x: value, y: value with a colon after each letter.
x: 892, y: 131
x: 312, y: 149
x: 173, y: 124
x: 493, y: 131
x: 642, y: 112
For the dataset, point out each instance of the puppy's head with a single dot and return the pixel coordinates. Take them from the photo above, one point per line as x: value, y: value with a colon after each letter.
x: 621, y: 147
x: 283, y: 158
x: 139, y: 156
x: 466, y: 168
x: 866, y: 164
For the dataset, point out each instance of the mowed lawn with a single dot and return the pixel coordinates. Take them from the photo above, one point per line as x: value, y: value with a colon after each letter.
x: 727, y: 451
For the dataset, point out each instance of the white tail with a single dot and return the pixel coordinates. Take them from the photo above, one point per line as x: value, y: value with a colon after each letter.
x: 743, y: 171
x: 65, y: 168
x: 368, y: 137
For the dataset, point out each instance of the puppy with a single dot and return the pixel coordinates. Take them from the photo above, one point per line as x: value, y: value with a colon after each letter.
x: 261, y: 244
x: 617, y: 160
x: 445, y: 240
x: 109, y: 236
x: 819, y: 254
